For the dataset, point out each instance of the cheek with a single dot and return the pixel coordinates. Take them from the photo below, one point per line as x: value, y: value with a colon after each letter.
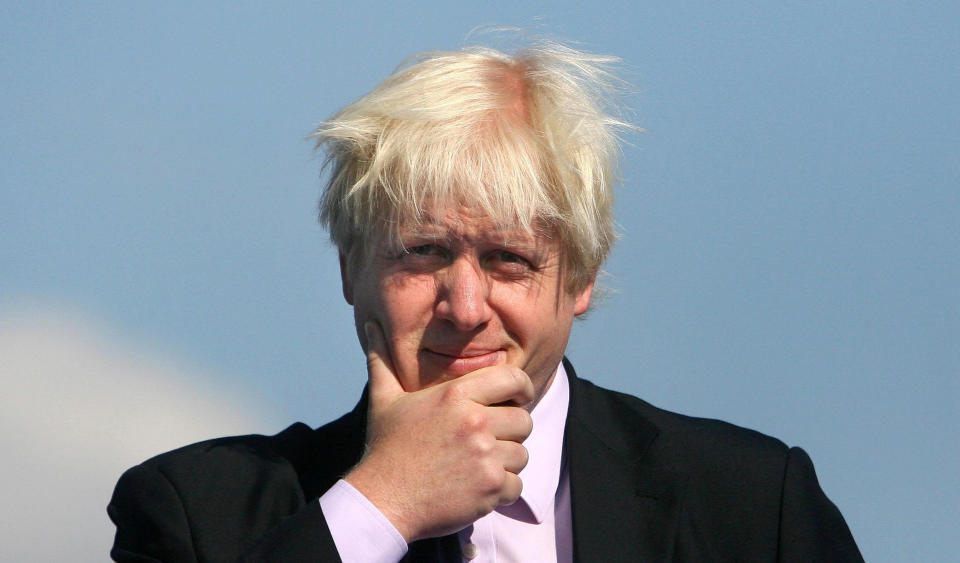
x: 407, y: 297
x: 542, y: 326
x: 368, y: 304
x: 531, y: 310
x: 405, y: 311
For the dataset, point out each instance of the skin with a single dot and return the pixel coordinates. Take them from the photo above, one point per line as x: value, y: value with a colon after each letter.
x: 464, y: 326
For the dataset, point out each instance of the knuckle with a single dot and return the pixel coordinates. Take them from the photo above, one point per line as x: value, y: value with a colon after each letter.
x: 521, y: 421
x: 524, y: 455
x: 491, y: 476
x: 522, y: 382
x: 516, y: 458
x: 454, y: 392
x: 519, y: 377
x: 511, y: 490
x: 481, y: 446
x: 525, y: 419
x: 473, y: 423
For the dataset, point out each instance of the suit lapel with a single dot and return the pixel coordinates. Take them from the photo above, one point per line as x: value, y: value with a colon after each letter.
x: 334, y: 449
x: 623, y: 507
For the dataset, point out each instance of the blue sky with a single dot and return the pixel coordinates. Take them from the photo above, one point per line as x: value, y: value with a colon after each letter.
x: 789, y: 221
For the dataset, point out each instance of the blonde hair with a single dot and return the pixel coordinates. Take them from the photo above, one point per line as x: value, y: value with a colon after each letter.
x: 527, y: 139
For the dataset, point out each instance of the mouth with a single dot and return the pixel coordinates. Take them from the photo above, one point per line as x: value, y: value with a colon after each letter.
x: 462, y: 362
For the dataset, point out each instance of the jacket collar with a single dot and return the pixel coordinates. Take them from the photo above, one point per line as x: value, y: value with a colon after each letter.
x: 624, y: 507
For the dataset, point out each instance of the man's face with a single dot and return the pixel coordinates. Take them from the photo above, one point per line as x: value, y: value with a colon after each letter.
x: 460, y: 295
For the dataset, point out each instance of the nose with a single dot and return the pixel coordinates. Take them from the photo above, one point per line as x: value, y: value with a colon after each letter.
x: 463, y: 296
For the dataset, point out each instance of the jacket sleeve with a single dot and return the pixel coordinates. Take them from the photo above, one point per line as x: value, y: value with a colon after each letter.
x: 303, y: 536
x: 811, y: 527
x: 154, y: 524
x: 150, y: 519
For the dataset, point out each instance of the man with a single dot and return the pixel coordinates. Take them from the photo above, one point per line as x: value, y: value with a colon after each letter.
x: 470, y: 198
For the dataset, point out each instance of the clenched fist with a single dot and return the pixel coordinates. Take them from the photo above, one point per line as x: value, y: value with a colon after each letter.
x: 439, y: 458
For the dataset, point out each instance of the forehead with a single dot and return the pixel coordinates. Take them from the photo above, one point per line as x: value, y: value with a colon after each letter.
x: 469, y: 224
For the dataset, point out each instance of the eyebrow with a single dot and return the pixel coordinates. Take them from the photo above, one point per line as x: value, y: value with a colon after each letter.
x: 436, y: 231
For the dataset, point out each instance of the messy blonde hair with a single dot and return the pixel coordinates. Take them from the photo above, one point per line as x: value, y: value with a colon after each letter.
x: 527, y: 139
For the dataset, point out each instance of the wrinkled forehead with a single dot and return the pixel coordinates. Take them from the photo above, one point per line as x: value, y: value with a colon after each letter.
x: 454, y: 223
x: 458, y: 223
x: 467, y: 224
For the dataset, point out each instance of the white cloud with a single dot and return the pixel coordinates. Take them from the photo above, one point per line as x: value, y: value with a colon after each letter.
x: 80, y: 405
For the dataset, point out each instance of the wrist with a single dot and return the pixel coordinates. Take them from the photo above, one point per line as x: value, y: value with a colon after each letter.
x: 369, y: 482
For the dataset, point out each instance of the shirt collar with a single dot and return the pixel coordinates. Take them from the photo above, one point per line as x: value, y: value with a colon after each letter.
x: 541, y: 476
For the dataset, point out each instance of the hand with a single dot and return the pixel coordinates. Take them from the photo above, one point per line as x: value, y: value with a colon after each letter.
x: 439, y: 458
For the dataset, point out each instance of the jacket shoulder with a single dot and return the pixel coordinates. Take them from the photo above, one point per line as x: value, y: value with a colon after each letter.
x: 207, y: 500
x: 753, y: 492
x: 215, y: 499
x: 680, y: 439
x: 232, y: 456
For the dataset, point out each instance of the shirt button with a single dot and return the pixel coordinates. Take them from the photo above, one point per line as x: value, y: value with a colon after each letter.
x: 469, y: 551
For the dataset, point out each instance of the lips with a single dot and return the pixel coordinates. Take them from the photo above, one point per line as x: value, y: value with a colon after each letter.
x: 462, y: 362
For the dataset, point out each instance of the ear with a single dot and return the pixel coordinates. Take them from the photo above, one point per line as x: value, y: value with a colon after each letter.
x: 345, y: 280
x: 582, y: 301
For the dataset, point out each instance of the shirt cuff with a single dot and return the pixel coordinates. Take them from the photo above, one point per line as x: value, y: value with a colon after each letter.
x: 361, y: 533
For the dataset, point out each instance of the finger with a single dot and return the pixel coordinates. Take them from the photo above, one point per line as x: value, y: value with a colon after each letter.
x: 509, y: 423
x: 510, y: 492
x: 383, y: 383
x: 497, y: 384
x: 513, y: 456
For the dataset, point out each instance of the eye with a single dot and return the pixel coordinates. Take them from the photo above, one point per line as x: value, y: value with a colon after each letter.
x: 507, y: 256
x: 420, y: 253
x: 510, y: 261
x: 423, y: 250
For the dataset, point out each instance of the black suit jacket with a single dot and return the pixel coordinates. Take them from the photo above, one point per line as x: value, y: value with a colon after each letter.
x: 646, y: 485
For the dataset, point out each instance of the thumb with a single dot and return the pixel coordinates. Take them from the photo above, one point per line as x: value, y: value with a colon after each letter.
x: 383, y: 385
